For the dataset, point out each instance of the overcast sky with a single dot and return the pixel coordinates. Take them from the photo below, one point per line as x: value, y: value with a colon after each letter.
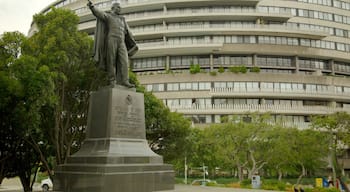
x: 17, y: 15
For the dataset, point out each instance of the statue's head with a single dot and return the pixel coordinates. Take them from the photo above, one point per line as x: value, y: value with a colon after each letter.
x: 116, y: 8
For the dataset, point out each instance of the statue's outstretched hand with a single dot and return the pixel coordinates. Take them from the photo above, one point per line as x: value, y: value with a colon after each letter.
x: 89, y: 4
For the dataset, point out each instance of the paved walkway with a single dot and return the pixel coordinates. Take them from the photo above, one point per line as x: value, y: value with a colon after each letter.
x: 189, y: 188
x: 14, y: 185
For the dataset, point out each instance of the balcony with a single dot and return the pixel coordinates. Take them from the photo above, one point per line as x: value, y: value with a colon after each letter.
x: 279, y: 93
x: 212, y: 29
x: 205, y: 15
x: 141, y: 5
x: 231, y: 109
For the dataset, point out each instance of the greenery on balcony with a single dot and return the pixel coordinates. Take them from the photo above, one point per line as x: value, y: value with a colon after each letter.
x: 195, y: 68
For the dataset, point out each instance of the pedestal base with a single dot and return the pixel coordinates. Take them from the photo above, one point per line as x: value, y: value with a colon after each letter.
x: 111, y: 177
x: 115, y: 157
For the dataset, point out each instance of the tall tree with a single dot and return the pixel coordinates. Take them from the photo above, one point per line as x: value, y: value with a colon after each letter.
x: 337, y: 129
x: 25, y: 88
x: 246, y: 144
x: 60, y: 46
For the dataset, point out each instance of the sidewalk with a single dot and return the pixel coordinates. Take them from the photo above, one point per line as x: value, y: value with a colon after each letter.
x: 190, y: 188
x: 14, y: 185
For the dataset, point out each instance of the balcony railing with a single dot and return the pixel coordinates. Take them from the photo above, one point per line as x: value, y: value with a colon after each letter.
x: 234, y: 27
x: 287, y: 92
x: 251, y: 108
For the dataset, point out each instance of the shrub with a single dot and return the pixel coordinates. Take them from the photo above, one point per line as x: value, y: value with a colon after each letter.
x: 238, y: 69
x: 234, y: 69
x: 213, y: 73
x: 255, y: 69
x: 243, y: 69
x: 246, y: 183
x: 318, y: 189
x: 273, y: 185
x: 233, y: 185
x: 212, y: 184
x: 221, y: 69
x: 195, y: 68
x: 169, y: 71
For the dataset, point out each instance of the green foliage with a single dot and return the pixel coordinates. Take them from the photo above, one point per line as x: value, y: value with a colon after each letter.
x: 246, y: 183
x: 211, y: 184
x: 221, y: 69
x: 169, y: 71
x: 318, y: 189
x: 273, y: 185
x: 67, y: 53
x: 336, y: 127
x: 238, y: 69
x: 243, y: 69
x: 257, y: 145
x: 213, y: 73
x: 195, y: 68
x: 234, y: 69
x: 26, y: 87
x: 255, y: 69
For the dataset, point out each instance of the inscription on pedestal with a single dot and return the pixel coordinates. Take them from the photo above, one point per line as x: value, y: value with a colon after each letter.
x: 128, y: 121
x: 128, y: 117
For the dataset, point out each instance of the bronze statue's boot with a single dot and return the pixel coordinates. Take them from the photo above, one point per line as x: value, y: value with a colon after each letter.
x: 112, y: 82
x: 128, y: 85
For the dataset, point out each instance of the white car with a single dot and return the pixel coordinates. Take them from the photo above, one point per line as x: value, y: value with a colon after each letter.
x: 46, y: 184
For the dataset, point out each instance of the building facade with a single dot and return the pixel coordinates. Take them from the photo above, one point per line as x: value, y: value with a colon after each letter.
x: 287, y: 57
x: 290, y: 58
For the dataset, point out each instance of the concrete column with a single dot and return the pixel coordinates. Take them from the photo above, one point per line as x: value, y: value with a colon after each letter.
x: 164, y: 28
x: 211, y: 62
x: 296, y: 63
x: 262, y: 101
x: 165, y: 9
x: 164, y: 40
x: 332, y: 104
x: 331, y: 63
x: 254, y: 58
x: 167, y: 63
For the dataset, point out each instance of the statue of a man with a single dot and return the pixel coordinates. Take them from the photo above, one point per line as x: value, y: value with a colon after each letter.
x: 113, y: 44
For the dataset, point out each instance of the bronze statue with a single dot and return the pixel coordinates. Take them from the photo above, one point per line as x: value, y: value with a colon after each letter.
x: 113, y: 44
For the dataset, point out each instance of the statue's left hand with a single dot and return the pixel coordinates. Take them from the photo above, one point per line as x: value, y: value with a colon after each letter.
x: 89, y: 4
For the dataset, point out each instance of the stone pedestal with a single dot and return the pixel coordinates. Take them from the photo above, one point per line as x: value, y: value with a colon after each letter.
x: 115, y: 156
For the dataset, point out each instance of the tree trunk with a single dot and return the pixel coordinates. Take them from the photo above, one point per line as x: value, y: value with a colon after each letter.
x: 303, y: 173
x: 42, y: 157
x: 239, y: 170
x: 280, y: 175
x: 255, y: 167
x: 25, y: 180
x: 2, y: 167
x: 334, y: 161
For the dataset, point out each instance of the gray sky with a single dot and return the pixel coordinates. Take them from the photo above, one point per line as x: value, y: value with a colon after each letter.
x: 17, y: 15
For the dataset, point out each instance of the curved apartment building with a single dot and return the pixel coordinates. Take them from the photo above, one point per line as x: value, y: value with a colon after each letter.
x: 290, y: 58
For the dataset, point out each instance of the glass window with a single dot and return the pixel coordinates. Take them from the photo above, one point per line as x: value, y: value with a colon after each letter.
x: 173, y: 86
x: 204, y: 86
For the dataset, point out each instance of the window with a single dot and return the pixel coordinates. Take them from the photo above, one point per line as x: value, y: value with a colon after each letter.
x: 204, y: 86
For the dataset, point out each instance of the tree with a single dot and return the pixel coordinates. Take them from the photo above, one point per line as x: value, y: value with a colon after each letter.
x: 204, y: 150
x: 25, y: 88
x: 337, y: 129
x: 282, y: 156
x: 67, y: 52
x: 246, y: 144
